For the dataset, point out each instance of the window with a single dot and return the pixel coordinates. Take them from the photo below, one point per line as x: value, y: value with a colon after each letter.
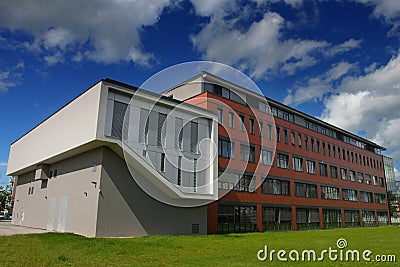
x: 352, y: 218
x: 244, y: 183
x: 318, y: 147
x: 244, y: 152
x: 366, y: 197
x: 329, y: 192
x: 343, y: 154
x: 323, y: 169
x: 251, y: 125
x: 305, y: 190
x: 266, y: 157
x: 221, y: 116
x: 343, y: 173
x: 162, y: 127
x: 352, y: 175
x: 381, y: 182
x: 329, y: 150
x: 292, y: 137
x: 278, y: 134
x: 334, y: 172
x: 283, y: 161
x: 261, y: 128
x: 306, y: 142
x: 367, y: 179
x: 241, y: 122
x: 162, y: 162
x: 312, y: 145
x: 323, y: 148
x: 285, y: 136
x: 224, y: 148
x: 339, y: 154
x: 299, y: 139
x: 231, y: 120
x: 334, y: 151
x: 248, y: 153
x: 269, y: 131
x: 311, y: 166
x: 374, y: 180
x: 298, y: 164
x: 119, y: 111
x: 194, y: 136
x: 380, y: 198
x: 195, y: 175
x: 350, y: 195
x: 276, y: 187
x: 360, y: 177
x: 179, y: 170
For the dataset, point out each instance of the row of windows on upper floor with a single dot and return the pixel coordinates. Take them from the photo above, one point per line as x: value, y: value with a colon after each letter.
x: 282, y: 187
x: 310, y: 143
x: 248, y: 154
x: 264, y: 107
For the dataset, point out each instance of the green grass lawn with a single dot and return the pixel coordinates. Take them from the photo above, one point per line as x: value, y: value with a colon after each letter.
x: 54, y: 249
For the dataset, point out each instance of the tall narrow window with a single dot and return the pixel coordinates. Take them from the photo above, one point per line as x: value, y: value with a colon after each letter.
x: 312, y: 145
x: 261, y: 128
x: 195, y: 175
x: 179, y: 170
x: 221, y: 116
x: 241, y: 122
x: 194, y: 136
x: 285, y: 136
x: 306, y: 142
x: 162, y: 127
x: 299, y: 139
x: 231, y: 120
x: 269, y: 131
x: 318, y: 147
x: 162, y: 162
x: 343, y: 173
x: 292, y: 137
x: 251, y: 125
x: 278, y: 134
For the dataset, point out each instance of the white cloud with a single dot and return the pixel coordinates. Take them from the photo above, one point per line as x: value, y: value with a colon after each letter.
x: 103, y: 31
x: 370, y: 103
x: 344, y: 47
x: 5, y: 81
x: 3, y: 164
x: 315, y: 88
x: 388, y: 10
x: 260, y: 49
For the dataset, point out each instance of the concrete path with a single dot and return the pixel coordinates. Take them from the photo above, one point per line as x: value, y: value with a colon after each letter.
x: 6, y: 228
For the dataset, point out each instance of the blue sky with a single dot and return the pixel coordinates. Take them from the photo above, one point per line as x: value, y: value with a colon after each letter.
x: 337, y: 60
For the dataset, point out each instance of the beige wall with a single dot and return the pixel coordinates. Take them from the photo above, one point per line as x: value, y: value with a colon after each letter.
x: 75, y: 190
x: 72, y: 126
x: 126, y: 210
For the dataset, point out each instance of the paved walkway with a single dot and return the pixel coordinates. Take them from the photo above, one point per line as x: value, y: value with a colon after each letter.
x: 6, y: 228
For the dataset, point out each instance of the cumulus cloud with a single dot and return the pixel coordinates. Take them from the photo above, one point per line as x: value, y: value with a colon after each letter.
x: 258, y: 50
x: 103, y: 31
x: 11, y: 77
x: 259, y: 47
x: 369, y: 103
x: 317, y: 87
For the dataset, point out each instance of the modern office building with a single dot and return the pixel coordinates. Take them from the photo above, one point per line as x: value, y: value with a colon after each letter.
x: 276, y: 169
x: 71, y: 175
x: 315, y: 176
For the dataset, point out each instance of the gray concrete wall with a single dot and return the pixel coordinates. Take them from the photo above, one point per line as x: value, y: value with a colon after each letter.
x: 125, y: 210
x: 68, y: 203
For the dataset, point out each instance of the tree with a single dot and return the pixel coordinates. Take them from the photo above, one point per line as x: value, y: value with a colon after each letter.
x: 5, y: 198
